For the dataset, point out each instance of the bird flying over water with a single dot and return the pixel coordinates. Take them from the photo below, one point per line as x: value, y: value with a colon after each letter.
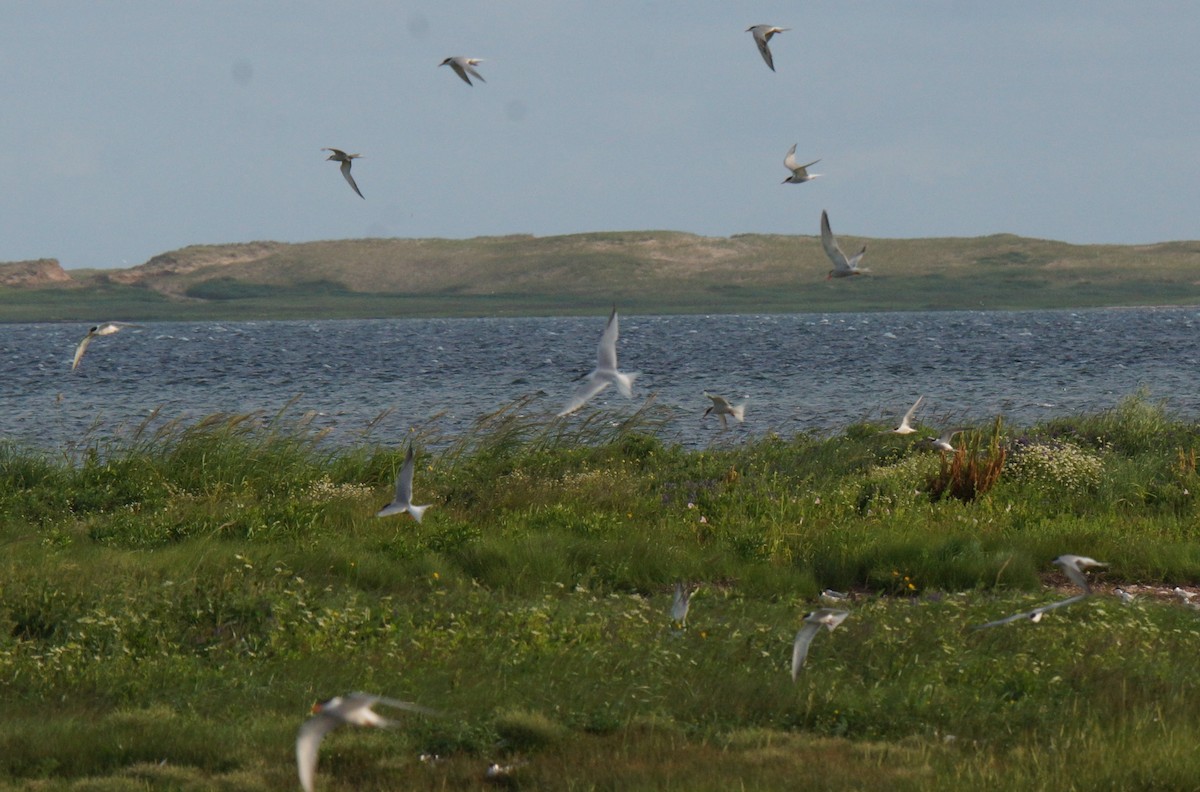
x: 1073, y: 567
x: 721, y: 407
x: 403, y: 500
x: 353, y: 708
x: 463, y: 66
x: 905, y: 426
x: 828, y: 618
x: 106, y: 328
x: 762, y: 34
x: 340, y: 156
x: 800, y: 172
x: 605, y: 373
x: 843, y: 267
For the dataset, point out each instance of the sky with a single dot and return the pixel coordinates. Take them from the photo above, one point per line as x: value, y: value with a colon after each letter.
x: 134, y: 128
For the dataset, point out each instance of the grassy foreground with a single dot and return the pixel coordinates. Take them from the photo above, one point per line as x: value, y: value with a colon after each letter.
x: 171, y: 607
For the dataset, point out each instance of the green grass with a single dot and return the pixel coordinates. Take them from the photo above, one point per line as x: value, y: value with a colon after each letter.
x: 170, y: 607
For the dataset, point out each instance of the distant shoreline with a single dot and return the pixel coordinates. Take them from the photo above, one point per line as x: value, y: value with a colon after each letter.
x: 646, y: 272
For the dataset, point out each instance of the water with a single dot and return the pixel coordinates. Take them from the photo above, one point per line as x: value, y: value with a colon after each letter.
x: 799, y: 371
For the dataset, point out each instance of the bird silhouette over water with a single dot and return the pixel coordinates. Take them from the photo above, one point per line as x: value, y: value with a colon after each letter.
x: 721, y: 407
x: 103, y: 329
x: 605, y: 373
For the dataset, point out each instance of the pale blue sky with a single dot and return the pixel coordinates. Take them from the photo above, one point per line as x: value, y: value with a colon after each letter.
x: 132, y: 128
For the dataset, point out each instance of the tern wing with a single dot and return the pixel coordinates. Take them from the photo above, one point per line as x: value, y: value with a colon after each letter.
x: 1006, y: 620
x: 789, y: 161
x: 308, y: 741
x: 831, y: 618
x: 404, y: 480
x: 720, y: 402
x: 760, y: 38
x: 946, y: 436
x: 905, y: 423
x: 79, y: 350
x: 108, y: 328
x: 461, y: 71
x: 764, y: 50
x: 830, y: 244
x: 350, y: 179
x: 1035, y: 613
x: 1076, y: 576
x: 606, y: 352
x: 1073, y: 566
x: 680, y: 603
x: 471, y: 70
x: 857, y: 258
x: 585, y: 393
x: 800, y: 646
x: 404, y: 705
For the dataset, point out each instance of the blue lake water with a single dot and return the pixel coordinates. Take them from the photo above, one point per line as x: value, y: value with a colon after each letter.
x: 798, y: 371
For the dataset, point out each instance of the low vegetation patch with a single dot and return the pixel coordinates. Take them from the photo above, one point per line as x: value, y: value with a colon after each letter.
x: 173, y: 603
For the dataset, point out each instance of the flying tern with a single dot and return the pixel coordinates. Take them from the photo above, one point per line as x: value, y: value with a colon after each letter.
x: 106, y: 328
x: 762, y: 34
x: 353, y: 708
x: 905, y: 426
x: 1034, y: 615
x: 843, y: 267
x: 721, y: 407
x: 800, y: 172
x: 828, y: 618
x: 403, y: 500
x: 464, y: 66
x: 1073, y: 567
x: 942, y: 441
x: 340, y: 156
x: 605, y: 373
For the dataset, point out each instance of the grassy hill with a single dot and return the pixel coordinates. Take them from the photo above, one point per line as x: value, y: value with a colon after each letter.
x: 642, y: 271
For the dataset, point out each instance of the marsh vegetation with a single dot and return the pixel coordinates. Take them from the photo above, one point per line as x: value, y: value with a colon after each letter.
x: 173, y: 603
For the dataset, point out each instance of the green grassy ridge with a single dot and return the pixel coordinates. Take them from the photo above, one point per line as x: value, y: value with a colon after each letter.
x: 186, y: 594
x: 647, y: 272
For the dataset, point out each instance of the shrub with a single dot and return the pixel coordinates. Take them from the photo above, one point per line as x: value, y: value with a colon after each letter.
x: 970, y: 471
x: 1056, y: 468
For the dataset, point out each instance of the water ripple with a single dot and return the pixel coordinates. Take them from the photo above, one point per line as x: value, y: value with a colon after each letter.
x: 800, y: 371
